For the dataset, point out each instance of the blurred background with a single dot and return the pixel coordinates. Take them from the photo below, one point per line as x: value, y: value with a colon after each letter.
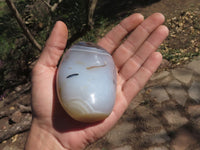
x: 26, y: 24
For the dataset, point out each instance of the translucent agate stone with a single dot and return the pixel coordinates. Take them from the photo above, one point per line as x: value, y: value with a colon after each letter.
x: 86, y: 82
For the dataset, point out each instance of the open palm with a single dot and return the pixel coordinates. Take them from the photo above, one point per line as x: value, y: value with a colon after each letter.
x: 135, y: 59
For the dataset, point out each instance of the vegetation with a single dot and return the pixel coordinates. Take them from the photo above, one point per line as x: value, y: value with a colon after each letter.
x: 182, y: 43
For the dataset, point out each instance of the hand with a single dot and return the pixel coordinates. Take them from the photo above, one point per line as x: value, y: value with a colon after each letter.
x: 135, y: 59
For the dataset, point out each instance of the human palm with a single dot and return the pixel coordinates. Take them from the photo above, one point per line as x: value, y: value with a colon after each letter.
x: 135, y: 59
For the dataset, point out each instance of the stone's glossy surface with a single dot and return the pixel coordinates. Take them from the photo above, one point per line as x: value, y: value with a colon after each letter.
x: 86, y: 82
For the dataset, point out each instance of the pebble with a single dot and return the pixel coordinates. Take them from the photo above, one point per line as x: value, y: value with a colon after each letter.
x: 194, y: 65
x: 178, y: 93
x: 158, y: 137
x: 16, y: 116
x: 194, y: 111
x: 119, y: 133
x: 174, y: 118
x: 194, y: 91
x: 183, y: 140
x: 183, y: 75
x: 160, y: 75
x: 159, y: 94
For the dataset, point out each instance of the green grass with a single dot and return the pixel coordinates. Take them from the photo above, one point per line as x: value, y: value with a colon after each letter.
x: 5, y: 47
x: 3, y: 9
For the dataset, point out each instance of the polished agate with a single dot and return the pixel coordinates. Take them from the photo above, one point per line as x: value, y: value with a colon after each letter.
x: 86, y: 82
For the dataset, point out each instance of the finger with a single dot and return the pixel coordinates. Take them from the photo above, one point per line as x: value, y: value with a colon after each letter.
x: 113, y: 38
x: 136, y: 38
x: 132, y: 86
x: 55, y: 45
x: 149, y: 46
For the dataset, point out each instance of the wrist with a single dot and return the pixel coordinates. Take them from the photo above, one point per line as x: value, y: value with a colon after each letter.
x: 41, y: 139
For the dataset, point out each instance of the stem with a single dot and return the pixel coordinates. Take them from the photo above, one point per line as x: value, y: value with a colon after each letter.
x: 22, y: 24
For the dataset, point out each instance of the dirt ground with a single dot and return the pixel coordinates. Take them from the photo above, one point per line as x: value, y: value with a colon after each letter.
x: 18, y: 102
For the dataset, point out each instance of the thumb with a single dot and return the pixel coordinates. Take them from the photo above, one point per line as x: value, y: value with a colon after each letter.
x: 55, y: 45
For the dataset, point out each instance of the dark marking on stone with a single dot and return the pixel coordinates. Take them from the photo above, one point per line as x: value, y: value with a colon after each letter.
x: 72, y: 75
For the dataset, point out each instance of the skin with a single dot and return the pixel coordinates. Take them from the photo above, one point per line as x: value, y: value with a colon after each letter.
x: 132, y: 43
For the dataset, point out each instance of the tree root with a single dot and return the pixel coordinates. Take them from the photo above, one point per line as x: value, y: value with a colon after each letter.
x: 21, y: 108
x: 17, y: 128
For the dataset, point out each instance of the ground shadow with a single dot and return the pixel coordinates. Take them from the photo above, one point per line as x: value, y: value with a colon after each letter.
x: 114, y: 9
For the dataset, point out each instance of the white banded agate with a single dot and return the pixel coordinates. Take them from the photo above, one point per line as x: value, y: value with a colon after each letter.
x: 86, y: 82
